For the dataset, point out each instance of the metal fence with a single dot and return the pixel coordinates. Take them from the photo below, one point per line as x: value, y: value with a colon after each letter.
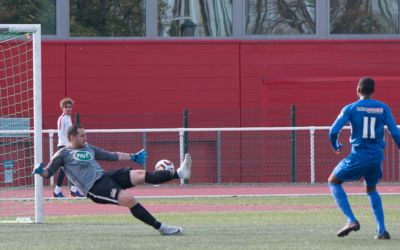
x: 236, y: 155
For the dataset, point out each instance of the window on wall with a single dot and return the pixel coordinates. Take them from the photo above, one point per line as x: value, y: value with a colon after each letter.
x: 194, y: 18
x: 112, y: 18
x: 364, y: 16
x: 280, y: 17
x: 30, y: 12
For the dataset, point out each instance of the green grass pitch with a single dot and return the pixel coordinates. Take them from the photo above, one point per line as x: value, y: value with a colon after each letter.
x: 302, y: 228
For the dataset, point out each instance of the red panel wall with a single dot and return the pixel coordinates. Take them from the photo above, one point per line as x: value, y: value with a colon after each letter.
x: 147, y: 84
x: 315, y: 76
x: 53, y: 81
x: 138, y: 84
x: 232, y: 83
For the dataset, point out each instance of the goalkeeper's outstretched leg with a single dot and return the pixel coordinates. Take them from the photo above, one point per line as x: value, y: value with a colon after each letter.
x: 79, y: 161
x: 141, y: 176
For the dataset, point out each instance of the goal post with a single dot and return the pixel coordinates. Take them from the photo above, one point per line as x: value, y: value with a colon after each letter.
x: 21, y: 121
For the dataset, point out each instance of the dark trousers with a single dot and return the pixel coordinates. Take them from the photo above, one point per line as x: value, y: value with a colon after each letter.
x: 61, y: 174
x: 60, y: 177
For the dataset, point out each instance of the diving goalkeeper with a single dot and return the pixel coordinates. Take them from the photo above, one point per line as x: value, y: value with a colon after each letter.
x: 79, y: 161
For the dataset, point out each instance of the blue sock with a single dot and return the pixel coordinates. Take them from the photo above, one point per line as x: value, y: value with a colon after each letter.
x: 342, y: 201
x: 377, y: 209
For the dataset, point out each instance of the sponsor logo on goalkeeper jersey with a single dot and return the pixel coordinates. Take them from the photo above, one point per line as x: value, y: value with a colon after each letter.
x: 82, y: 156
x: 370, y: 110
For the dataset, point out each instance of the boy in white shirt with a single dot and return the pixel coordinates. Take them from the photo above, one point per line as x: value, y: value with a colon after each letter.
x: 63, y: 123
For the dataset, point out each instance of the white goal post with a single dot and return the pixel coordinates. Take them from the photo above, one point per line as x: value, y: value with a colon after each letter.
x: 21, y: 116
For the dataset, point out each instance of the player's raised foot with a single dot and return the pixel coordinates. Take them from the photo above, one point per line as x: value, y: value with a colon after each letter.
x: 58, y: 195
x: 76, y: 194
x: 185, y: 170
x: 352, y: 226
x: 170, y: 230
x: 384, y: 236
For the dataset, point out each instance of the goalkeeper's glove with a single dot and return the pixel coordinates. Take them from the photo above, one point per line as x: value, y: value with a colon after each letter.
x: 139, y: 157
x: 38, y: 169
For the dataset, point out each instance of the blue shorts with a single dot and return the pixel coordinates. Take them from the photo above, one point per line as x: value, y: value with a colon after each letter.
x: 353, y: 168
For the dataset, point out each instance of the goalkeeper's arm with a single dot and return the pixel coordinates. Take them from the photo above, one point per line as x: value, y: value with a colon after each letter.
x: 44, y: 172
x: 103, y: 155
x: 40, y: 171
x: 138, y: 157
x: 50, y: 169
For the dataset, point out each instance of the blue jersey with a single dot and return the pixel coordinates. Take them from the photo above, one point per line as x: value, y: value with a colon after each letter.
x: 367, y: 119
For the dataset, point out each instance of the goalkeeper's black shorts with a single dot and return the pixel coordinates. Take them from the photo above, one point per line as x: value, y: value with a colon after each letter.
x: 106, y: 189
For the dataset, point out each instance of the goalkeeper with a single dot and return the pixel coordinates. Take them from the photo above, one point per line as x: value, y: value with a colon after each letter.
x: 79, y: 161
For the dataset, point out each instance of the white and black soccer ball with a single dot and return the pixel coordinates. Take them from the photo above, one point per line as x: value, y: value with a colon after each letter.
x: 164, y: 165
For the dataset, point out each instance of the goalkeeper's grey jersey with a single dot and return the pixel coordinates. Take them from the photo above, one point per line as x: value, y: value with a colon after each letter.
x: 80, y: 165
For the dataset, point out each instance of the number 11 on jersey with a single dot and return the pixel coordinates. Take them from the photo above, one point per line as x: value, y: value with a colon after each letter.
x: 369, y: 122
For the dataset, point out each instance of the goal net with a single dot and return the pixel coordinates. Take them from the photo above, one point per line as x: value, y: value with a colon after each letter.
x: 20, y: 123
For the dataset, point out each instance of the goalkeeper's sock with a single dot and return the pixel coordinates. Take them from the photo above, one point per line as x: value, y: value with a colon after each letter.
x: 377, y: 209
x: 159, y: 176
x: 58, y: 189
x: 142, y: 214
x: 342, y: 201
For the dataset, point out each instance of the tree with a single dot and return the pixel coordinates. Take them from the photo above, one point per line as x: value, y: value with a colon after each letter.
x: 363, y: 16
x: 107, y: 18
x: 30, y: 12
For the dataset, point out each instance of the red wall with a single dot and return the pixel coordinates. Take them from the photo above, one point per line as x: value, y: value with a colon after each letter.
x: 148, y: 84
x: 137, y: 84
x: 319, y: 77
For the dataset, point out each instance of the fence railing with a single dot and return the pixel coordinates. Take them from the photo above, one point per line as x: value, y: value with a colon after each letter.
x: 237, y: 155
x: 220, y: 155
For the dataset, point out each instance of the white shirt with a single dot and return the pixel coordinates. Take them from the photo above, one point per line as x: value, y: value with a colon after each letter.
x: 63, y: 123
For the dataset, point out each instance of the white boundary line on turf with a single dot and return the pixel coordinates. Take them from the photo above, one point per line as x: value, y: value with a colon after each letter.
x: 248, y: 195
x: 190, y: 196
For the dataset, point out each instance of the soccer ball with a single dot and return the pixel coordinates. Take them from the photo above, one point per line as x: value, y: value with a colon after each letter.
x: 164, y: 165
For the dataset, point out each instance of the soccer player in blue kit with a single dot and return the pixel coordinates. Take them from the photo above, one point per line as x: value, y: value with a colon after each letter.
x: 367, y: 118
